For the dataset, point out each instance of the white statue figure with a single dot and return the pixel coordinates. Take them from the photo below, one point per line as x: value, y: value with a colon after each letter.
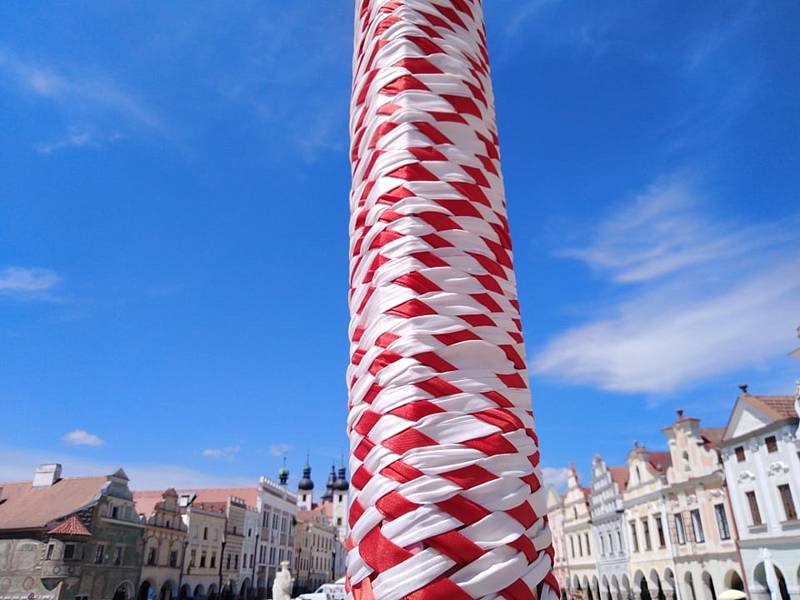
x: 282, y: 586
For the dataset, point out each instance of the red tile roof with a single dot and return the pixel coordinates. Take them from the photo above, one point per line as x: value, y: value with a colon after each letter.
x: 211, y: 495
x: 619, y: 475
x: 660, y: 460
x: 28, y: 507
x: 146, y: 502
x: 775, y: 407
x: 71, y: 526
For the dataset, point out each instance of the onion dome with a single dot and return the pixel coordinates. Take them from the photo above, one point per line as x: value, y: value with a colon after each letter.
x: 329, y: 485
x: 341, y: 485
x: 283, y: 474
x: 305, y: 484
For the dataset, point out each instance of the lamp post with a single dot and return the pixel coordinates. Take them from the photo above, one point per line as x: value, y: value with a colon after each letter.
x: 183, y: 563
x: 221, y: 561
x: 255, y: 562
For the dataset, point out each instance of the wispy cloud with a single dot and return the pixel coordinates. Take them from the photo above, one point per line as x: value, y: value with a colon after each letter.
x: 81, y: 437
x: 703, y: 298
x: 19, y: 464
x: 555, y: 477
x: 28, y: 282
x: 89, y: 103
x: 278, y: 449
x: 525, y: 11
x: 77, y: 138
x: 662, y: 232
x: 228, y: 452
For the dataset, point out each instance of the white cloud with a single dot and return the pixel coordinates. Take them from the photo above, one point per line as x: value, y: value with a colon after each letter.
x: 703, y: 299
x: 278, y: 449
x: 80, y: 437
x: 662, y: 232
x: 228, y: 452
x: 19, y: 465
x: 77, y: 138
x: 555, y: 477
x: 27, y: 281
x: 83, y: 99
x: 524, y: 12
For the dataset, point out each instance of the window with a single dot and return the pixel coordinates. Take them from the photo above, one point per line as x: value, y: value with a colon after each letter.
x: 236, y: 561
x: 114, y: 511
x: 228, y: 562
x: 610, y: 544
x: 788, y: 502
x: 722, y: 522
x: 338, y: 521
x: 619, y: 540
x: 173, y: 558
x: 680, y: 530
x: 50, y: 549
x: 575, y: 512
x: 660, y: 531
x: 98, y: 554
x: 192, y: 558
x: 588, y: 547
x: 213, y: 562
x: 572, y: 545
x: 739, y: 450
x: 602, y: 545
x: 755, y: 514
x: 697, y: 526
x: 202, y: 560
x: 151, y: 556
x: 118, y: 555
x: 634, y: 539
x: 646, y: 534
x: 205, y: 533
x: 771, y: 443
x: 580, y: 545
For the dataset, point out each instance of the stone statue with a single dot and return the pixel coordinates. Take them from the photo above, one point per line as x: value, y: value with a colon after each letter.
x: 282, y: 587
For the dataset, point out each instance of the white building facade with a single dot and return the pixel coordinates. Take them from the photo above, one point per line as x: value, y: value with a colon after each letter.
x: 608, y: 483
x: 760, y: 453
x: 699, y: 513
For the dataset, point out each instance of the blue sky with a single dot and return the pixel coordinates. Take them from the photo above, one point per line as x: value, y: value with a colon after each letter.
x: 173, y: 217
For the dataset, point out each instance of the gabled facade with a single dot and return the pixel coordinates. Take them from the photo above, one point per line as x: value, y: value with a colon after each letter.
x: 578, y: 537
x: 760, y: 453
x: 69, y: 538
x: 555, y: 517
x: 651, y: 570
x: 164, y: 544
x: 699, y: 517
x: 608, y: 484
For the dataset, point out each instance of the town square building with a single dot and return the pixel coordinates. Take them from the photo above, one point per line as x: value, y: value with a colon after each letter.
x: 555, y: 518
x: 608, y: 484
x: 762, y: 468
x: 165, y: 541
x: 651, y: 569
x: 578, y: 536
x: 69, y: 538
x: 699, y: 514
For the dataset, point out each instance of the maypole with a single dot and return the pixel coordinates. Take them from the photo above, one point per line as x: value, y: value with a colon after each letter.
x: 446, y: 497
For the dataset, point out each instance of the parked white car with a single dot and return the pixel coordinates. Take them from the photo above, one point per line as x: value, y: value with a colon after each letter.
x: 327, y: 591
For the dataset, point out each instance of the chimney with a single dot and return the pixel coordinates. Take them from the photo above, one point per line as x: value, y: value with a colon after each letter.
x: 47, y: 475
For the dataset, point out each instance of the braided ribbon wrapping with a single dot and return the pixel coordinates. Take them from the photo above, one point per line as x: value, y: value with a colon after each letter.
x: 446, y: 498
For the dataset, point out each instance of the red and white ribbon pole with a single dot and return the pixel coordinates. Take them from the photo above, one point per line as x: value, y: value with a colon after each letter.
x: 446, y: 500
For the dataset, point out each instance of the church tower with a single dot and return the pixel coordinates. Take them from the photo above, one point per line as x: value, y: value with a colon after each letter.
x: 341, y: 493
x: 328, y: 497
x: 305, y: 489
